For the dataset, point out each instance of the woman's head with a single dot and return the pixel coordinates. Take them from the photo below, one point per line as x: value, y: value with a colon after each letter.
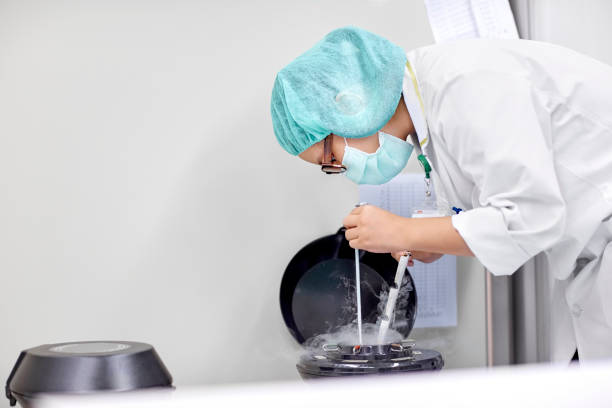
x: 348, y: 85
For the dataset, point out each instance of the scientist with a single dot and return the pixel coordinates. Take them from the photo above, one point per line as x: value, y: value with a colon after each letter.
x: 516, y: 133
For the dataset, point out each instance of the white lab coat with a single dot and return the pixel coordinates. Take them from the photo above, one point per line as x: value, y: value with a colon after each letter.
x: 519, y: 134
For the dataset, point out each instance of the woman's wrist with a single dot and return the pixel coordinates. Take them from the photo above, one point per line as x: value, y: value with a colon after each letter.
x: 405, y: 234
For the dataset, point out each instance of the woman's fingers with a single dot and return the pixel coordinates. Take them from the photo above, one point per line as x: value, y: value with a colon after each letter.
x: 398, y: 255
x: 350, y: 221
x: 355, y: 244
x: 426, y: 257
x: 379, y: 230
x: 357, y: 210
x: 351, y: 234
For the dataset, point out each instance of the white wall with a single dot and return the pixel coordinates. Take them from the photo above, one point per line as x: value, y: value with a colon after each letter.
x: 143, y: 195
x: 581, y: 25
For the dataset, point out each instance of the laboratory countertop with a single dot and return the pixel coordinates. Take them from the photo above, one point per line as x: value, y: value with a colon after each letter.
x: 586, y: 385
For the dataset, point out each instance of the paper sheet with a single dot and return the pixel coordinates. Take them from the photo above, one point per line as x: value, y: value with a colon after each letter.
x: 461, y: 19
x: 436, y: 283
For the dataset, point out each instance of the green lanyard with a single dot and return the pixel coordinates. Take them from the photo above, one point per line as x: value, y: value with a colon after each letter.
x: 424, y: 163
x: 421, y: 157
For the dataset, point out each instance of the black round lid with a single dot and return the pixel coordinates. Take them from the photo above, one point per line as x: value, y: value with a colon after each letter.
x: 317, y: 293
x: 341, y: 360
x: 88, y: 366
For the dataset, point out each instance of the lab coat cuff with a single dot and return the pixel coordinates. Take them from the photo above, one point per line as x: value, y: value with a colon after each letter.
x: 486, y: 234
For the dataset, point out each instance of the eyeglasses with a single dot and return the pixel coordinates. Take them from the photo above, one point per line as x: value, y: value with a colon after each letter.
x: 327, y: 164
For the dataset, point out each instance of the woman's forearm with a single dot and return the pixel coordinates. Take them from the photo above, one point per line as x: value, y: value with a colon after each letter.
x: 435, y: 235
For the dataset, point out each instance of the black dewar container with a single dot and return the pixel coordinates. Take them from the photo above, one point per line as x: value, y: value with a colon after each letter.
x: 315, y: 289
x: 85, y: 367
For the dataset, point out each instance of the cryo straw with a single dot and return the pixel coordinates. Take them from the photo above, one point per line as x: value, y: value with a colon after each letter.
x: 358, y: 288
x: 392, y: 299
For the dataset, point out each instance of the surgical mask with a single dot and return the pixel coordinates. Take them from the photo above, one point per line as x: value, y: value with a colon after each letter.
x: 379, y: 167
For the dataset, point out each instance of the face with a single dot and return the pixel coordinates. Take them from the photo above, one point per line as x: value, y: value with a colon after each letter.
x: 400, y: 125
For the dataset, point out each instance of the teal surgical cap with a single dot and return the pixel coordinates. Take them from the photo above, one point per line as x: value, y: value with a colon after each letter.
x: 348, y: 84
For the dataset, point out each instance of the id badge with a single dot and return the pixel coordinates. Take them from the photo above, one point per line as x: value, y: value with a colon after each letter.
x: 429, y: 208
x: 427, y: 213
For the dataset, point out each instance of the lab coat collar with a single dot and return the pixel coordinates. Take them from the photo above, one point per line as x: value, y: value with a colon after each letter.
x: 411, y: 92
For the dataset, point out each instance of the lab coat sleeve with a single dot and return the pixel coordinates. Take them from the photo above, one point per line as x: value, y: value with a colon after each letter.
x: 495, y: 125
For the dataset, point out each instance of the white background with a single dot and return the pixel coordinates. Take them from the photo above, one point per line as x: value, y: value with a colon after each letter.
x: 581, y: 25
x: 143, y: 195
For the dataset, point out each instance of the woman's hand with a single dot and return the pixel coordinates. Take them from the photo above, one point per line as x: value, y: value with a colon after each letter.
x: 375, y: 230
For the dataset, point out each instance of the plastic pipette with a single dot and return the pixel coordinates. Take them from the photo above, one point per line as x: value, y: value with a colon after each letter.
x: 392, y: 299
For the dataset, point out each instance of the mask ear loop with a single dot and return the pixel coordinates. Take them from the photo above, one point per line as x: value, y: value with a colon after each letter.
x: 345, y: 142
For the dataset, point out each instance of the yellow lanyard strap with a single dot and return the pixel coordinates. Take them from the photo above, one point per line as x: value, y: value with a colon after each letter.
x: 415, y: 140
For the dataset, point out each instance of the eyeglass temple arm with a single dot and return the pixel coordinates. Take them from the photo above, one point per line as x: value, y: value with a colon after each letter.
x: 327, y: 153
